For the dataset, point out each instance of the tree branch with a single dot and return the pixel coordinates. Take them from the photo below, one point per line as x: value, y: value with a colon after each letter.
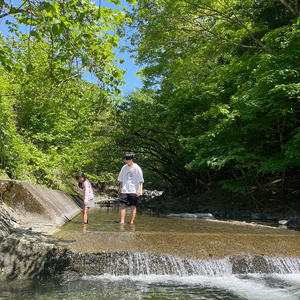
x: 10, y: 12
x: 294, y: 10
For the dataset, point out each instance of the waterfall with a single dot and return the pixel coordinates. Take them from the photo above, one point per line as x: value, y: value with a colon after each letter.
x: 134, y: 264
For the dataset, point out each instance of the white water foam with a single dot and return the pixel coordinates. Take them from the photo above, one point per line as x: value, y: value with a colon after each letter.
x: 134, y: 264
x: 254, y: 287
x: 245, y: 277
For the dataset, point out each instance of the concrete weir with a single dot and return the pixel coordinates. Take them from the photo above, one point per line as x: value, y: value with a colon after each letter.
x: 27, y: 251
x: 40, y: 208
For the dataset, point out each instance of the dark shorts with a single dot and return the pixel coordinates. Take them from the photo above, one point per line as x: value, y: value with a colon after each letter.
x: 130, y: 199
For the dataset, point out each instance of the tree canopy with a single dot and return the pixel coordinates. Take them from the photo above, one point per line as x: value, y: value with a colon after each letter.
x: 53, y: 122
x: 219, y: 102
x: 226, y: 73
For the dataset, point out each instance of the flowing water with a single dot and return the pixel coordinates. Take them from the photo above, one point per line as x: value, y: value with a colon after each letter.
x: 238, y: 287
x: 159, y: 274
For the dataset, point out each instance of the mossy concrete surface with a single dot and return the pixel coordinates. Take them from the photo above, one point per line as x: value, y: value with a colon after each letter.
x: 28, y: 255
x: 185, y: 245
x: 37, y: 206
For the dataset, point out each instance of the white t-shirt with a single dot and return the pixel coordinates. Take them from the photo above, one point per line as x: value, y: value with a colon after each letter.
x: 131, y: 176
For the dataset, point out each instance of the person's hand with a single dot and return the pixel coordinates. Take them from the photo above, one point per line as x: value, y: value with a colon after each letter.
x: 119, y: 192
x: 86, y: 204
x: 138, y: 193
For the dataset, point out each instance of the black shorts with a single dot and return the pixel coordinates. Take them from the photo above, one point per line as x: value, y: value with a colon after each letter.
x: 130, y: 199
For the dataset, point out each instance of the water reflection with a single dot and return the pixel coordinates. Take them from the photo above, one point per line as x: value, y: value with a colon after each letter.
x: 84, y: 227
x: 191, y: 238
x: 106, y: 219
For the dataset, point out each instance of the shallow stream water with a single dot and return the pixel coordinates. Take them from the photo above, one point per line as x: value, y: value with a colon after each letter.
x: 177, y: 237
x: 106, y: 219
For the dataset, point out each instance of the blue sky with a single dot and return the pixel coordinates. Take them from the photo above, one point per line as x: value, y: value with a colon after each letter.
x: 130, y: 78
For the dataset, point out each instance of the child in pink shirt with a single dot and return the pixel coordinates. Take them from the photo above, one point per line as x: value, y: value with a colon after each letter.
x: 87, y: 193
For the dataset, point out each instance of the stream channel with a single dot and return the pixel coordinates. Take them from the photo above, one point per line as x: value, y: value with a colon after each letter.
x: 194, y: 261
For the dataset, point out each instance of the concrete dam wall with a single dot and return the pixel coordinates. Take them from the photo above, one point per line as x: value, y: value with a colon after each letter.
x: 38, y: 207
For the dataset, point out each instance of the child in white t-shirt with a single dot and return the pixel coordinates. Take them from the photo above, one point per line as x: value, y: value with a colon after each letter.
x: 131, y: 187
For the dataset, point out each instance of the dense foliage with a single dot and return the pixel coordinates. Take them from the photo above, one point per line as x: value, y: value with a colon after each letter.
x: 52, y: 122
x: 219, y: 103
x: 224, y: 82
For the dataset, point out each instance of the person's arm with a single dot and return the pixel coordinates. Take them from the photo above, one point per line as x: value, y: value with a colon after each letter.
x: 84, y: 192
x: 120, y: 189
x: 138, y: 193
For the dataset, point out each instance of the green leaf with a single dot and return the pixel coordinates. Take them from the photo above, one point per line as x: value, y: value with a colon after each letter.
x: 117, y: 2
x: 35, y: 34
x: 55, y: 29
x: 76, y: 31
x: 133, y: 2
x: 29, y: 68
x: 84, y: 59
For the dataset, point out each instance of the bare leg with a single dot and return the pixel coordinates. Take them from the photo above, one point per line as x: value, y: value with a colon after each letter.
x: 133, y: 213
x: 123, y: 206
x: 84, y: 212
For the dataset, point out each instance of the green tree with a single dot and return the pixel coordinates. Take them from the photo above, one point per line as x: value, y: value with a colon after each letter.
x: 58, y: 123
x: 227, y: 75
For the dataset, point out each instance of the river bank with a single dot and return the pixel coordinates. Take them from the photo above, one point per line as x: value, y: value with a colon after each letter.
x: 265, y: 203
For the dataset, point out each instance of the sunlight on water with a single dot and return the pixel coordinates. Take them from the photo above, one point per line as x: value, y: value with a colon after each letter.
x: 255, y: 287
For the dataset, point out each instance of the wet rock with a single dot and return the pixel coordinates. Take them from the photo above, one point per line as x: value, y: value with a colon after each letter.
x: 8, y: 220
x: 205, y: 216
x: 255, y: 216
x: 192, y: 216
x: 283, y: 222
x: 163, y: 215
x: 152, y: 193
x: 174, y: 215
x: 188, y: 216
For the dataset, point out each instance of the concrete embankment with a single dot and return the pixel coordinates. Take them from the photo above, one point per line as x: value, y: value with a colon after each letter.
x: 36, y: 207
x: 28, y: 214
